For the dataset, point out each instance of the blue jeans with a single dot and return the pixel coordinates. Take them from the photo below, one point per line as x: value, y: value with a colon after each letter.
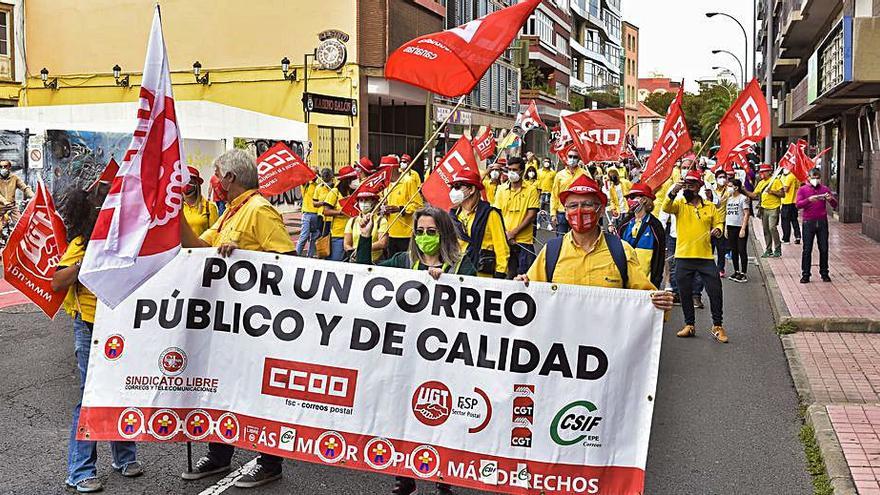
x: 562, y: 226
x: 82, y: 454
x: 308, y: 233
x: 337, y: 249
x: 521, y: 258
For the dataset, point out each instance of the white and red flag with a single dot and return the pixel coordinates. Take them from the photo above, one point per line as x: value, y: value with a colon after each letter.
x: 674, y: 142
x: 485, y: 144
x: 796, y: 160
x: 528, y: 120
x: 138, y: 229
x: 452, y: 62
x: 374, y: 183
x: 746, y: 122
x: 33, y: 250
x: 279, y: 170
x: 598, y: 135
x: 436, y: 187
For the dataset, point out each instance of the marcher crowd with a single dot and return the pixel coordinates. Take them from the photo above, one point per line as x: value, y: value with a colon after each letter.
x: 603, y: 228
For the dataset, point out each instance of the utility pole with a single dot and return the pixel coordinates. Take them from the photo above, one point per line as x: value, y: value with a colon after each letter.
x: 768, y: 78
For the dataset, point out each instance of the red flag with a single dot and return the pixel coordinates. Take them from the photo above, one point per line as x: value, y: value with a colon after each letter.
x: 674, y: 142
x: 745, y: 123
x: 597, y: 134
x: 376, y: 182
x: 529, y: 120
x: 802, y: 164
x: 436, y: 187
x: 452, y: 62
x: 138, y: 227
x: 789, y: 160
x: 107, y: 175
x: 33, y: 250
x: 485, y: 144
x: 280, y: 169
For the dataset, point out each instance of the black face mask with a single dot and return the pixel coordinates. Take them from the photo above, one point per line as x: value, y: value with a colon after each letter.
x: 689, y: 195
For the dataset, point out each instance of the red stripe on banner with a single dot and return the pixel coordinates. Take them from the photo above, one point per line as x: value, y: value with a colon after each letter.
x: 356, y: 451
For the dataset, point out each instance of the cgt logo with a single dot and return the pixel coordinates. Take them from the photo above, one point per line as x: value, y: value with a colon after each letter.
x: 573, y: 423
x: 309, y: 382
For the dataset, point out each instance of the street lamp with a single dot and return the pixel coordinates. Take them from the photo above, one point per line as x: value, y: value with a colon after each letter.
x: 746, y: 36
x: 197, y: 71
x: 742, y: 71
x: 44, y: 76
x: 124, y: 82
x: 285, y: 68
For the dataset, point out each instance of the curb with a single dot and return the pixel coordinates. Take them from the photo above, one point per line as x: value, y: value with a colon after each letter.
x: 832, y: 453
x: 798, y: 373
x: 777, y: 303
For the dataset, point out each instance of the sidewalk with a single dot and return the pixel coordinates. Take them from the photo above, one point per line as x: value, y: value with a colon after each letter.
x: 835, y: 354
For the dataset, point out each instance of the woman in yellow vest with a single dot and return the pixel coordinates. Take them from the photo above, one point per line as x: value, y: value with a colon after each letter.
x: 480, y: 226
x: 199, y: 213
x: 80, y: 212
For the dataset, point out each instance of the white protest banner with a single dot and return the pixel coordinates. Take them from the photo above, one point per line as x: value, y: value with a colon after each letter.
x: 476, y: 382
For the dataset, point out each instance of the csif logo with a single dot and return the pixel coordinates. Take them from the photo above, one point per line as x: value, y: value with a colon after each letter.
x: 574, y: 422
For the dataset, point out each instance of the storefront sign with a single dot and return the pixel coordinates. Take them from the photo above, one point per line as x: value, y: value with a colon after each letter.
x: 459, y: 117
x: 333, y: 105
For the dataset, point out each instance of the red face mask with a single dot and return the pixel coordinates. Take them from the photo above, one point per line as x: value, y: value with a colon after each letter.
x: 219, y: 192
x: 633, y: 204
x: 582, y: 220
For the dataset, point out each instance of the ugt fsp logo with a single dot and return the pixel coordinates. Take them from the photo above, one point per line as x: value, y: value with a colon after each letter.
x: 432, y: 403
x: 574, y: 423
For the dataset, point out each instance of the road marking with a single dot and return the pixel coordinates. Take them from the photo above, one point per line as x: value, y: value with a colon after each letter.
x: 227, y: 482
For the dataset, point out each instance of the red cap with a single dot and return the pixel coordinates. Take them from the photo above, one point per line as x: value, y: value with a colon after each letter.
x: 500, y: 162
x: 694, y: 175
x: 405, y: 158
x: 468, y: 176
x: 364, y: 164
x: 194, y: 174
x: 367, y: 193
x: 765, y: 167
x: 641, y: 189
x: 346, y: 172
x: 583, y: 185
x: 389, y: 161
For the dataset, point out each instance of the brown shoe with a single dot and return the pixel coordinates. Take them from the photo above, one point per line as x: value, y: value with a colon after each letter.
x: 719, y: 333
x: 687, y: 331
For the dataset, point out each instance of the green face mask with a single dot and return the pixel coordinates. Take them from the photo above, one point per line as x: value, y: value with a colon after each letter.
x: 428, y: 244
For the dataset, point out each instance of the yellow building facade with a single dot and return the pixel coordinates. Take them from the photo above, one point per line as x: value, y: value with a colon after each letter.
x: 239, y: 45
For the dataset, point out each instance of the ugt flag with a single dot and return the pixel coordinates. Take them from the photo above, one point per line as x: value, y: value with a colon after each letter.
x: 436, y: 187
x: 528, y: 120
x: 138, y: 229
x: 452, y: 62
x: 674, y: 142
x: 745, y: 123
x: 280, y: 169
x: 598, y: 135
x: 33, y: 250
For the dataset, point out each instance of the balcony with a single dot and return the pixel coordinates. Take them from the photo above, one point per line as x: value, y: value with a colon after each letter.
x: 802, y: 30
x: 589, y: 49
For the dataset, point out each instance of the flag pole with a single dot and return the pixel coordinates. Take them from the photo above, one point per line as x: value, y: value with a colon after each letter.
x: 419, y: 154
x: 708, y: 139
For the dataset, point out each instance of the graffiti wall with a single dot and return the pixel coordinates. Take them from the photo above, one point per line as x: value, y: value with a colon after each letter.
x: 77, y: 158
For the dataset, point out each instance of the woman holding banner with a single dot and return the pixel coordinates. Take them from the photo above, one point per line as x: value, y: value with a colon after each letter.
x: 80, y: 211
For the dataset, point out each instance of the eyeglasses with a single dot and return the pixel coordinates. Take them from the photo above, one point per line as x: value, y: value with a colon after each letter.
x: 429, y: 231
x: 583, y: 204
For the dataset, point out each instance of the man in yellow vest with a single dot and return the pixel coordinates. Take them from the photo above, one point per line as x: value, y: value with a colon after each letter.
x: 518, y: 202
x: 403, y: 199
x: 564, y: 178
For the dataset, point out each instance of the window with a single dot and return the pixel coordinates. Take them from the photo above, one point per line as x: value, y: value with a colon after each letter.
x: 562, y: 45
x: 613, y: 24
x: 594, y: 8
x: 5, y: 28
x: 545, y: 27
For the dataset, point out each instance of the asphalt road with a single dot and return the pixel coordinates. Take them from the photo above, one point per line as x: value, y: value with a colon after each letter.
x: 725, y: 420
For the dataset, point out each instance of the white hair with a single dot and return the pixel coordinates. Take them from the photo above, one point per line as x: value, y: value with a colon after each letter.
x: 241, y: 164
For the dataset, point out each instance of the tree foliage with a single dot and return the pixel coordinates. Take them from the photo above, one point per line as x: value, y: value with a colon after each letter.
x: 702, y: 111
x: 659, y: 102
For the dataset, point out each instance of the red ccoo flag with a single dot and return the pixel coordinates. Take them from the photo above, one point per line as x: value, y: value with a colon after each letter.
x: 452, y: 62
x: 745, y: 123
x: 376, y: 182
x: 138, y: 227
x: 280, y: 169
x: 33, y: 250
x: 598, y: 135
x: 437, y: 186
x: 485, y: 144
x: 674, y: 142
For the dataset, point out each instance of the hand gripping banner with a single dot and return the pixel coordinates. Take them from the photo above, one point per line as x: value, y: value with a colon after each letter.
x: 476, y: 382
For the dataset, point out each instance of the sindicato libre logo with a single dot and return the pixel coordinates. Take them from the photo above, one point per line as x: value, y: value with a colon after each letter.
x: 574, y: 423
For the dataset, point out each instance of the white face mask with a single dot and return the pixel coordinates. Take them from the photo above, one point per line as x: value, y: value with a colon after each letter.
x: 530, y: 175
x: 366, y: 206
x: 546, y: 164
x: 721, y: 181
x: 494, y: 175
x: 456, y: 196
x: 572, y: 161
x: 513, y: 176
x: 355, y: 184
x: 403, y: 166
x: 814, y: 182
x: 4, y: 172
x: 786, y: 171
